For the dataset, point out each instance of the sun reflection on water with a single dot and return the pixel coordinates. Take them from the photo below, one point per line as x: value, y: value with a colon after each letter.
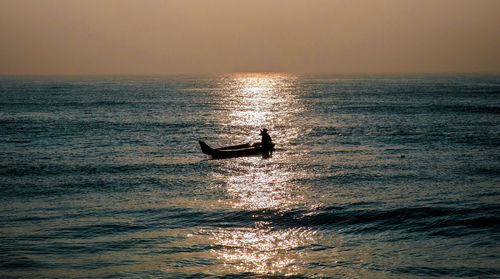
x: 262, y: 187
x: 253, y: 101
x: 265, y: 247
x: 262, y: 249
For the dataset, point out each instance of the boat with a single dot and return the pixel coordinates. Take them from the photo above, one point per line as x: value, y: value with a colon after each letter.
x: 240, y: 150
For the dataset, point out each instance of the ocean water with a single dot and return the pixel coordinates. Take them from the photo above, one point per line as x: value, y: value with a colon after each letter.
x: 383, y: 176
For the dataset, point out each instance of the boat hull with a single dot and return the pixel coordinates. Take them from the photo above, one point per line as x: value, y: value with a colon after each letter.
x: 232, y: 152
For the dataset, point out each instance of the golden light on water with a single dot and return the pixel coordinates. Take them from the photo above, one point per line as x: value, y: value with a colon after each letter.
x: 261, y: 187
x: 257, y: 96
x: 254, y: 101
x: 261, y: 249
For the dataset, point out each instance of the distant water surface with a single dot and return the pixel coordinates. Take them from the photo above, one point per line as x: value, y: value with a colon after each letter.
x: 374, y: 177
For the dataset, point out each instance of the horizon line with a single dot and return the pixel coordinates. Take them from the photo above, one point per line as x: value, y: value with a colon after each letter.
x: 247, y: 72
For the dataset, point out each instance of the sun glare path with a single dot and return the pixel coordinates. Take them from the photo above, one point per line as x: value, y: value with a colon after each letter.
x: 263, y: 187
x: 258, y: 100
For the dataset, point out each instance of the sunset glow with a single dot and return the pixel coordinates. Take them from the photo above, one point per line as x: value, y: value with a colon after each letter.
x: 169, y: 37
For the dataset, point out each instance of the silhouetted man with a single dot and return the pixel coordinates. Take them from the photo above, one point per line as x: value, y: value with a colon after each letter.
x: 267, y: 143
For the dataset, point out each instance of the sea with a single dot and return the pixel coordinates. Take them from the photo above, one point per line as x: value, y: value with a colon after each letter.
x: 373, y: 176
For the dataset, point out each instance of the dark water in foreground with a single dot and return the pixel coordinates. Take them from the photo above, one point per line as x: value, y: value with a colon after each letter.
x: 374, y: 177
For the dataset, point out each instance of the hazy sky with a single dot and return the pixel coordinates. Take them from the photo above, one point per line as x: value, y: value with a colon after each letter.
x: 213, y: 36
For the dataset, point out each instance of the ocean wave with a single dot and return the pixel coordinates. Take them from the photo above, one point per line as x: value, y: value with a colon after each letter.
x: 351, y: 219
x: 66, y: 168
x: 428, y: 271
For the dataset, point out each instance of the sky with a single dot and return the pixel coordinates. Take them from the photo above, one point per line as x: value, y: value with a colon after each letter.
x: 143, y: 37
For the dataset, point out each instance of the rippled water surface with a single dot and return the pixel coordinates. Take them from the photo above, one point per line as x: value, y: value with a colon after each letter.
x: 373, y: 177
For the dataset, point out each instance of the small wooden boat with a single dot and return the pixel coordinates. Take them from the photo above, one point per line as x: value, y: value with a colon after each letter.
x: 236, y: 150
